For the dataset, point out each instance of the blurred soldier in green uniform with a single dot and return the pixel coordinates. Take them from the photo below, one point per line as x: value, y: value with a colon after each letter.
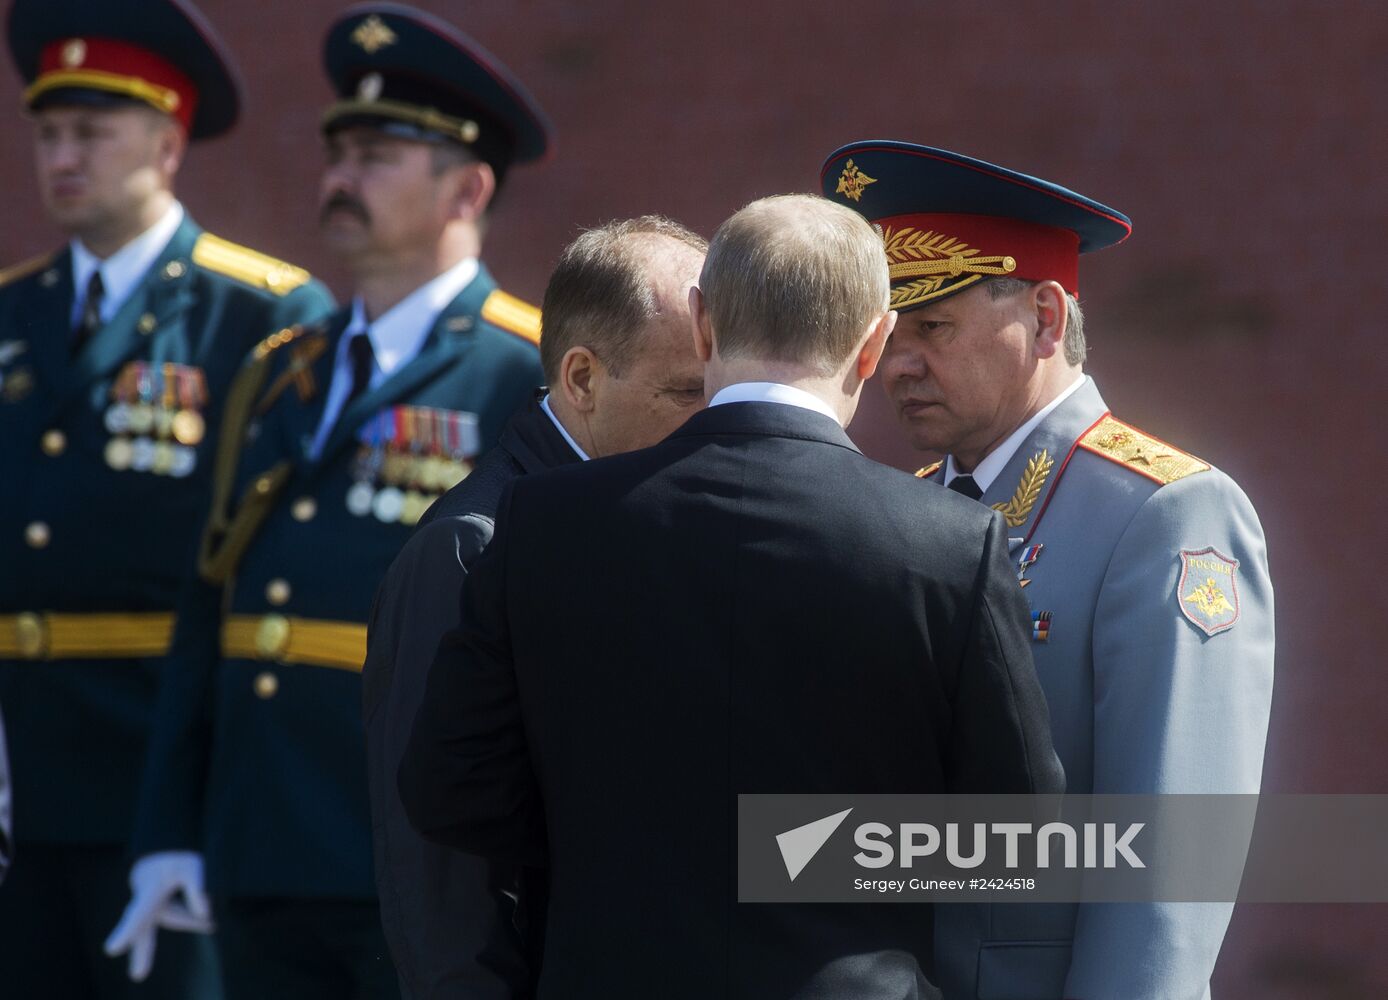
x: 116, y: 353
x: 338, y: 436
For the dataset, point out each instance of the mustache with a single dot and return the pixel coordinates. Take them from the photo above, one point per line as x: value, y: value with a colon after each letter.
x: 344, y: 202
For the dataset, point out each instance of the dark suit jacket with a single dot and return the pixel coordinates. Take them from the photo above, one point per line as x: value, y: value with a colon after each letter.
x: 459, y: 928
x: 750, y: 606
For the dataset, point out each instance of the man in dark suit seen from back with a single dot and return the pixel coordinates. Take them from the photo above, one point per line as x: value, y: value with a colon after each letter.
x: 749, y: 606
x: 622, y: 374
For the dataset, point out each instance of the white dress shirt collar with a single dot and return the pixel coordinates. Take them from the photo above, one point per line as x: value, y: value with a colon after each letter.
x: 125, y: 268
x: 544, y: 405
x: 996, y: 460
x: 396, y: 337
x: 399, y: 332
x: 772, y: 392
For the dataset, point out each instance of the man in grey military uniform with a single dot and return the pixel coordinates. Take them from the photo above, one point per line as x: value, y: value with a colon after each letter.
x: 1145, y: 567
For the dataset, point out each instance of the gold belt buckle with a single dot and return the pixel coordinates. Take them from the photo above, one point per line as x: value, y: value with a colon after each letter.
x: 272, y: 637
x: 31, y: 635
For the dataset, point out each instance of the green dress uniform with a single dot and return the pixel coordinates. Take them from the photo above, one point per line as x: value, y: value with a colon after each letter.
x: 257, y: 757
x: 95, y: 549
x: 108, y: 419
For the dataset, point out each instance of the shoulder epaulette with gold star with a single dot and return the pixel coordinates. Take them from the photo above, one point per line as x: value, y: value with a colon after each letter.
x: 929, y: 470
x: 23, y: 269
x: 512, y: 315
x: 1142, y: 453
x: 248, y: 266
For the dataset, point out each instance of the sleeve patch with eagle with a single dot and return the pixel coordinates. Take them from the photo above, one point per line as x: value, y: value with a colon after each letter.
x: 1208, y: 592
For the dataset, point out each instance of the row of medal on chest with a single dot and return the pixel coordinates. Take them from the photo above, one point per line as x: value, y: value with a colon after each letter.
x: 408, y: 456
x: 155, y: 418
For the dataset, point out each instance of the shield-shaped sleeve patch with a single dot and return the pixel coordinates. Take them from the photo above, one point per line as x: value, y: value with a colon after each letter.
x: 1208, y: 591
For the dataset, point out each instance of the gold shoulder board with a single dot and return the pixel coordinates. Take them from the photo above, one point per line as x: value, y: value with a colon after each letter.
x: 246, y: 265
x: 929, y: 470
x: 1142, y: 453
x: 512, y: 315
x: 24, y: 269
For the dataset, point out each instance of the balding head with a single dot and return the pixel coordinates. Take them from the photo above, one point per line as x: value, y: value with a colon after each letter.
x: 794, y: 279
x: 616, y: 348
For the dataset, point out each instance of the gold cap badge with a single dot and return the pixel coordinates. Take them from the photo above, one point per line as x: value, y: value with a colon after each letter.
x: 852, y: 181
x: 373, y: 35
x: 369, y: 89
x: 74, y: 53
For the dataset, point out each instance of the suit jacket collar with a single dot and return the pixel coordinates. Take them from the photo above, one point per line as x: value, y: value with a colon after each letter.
x: 451, y: 338
x: 165, y: 293
x: 531, y: 438
x: 765, y: 420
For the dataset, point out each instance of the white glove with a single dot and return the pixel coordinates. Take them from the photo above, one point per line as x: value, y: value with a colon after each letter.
x: 156, y: 880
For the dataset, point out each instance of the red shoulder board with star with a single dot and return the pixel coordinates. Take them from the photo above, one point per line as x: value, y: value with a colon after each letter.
x: 1140, y: 452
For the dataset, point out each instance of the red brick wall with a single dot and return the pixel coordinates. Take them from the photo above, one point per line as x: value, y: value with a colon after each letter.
x: 1243, y: 320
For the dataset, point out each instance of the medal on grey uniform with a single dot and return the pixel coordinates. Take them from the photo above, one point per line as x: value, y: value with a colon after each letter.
x: 1029, y: 556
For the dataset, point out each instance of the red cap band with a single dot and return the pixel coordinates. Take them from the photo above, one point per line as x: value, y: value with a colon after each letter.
x: 931, y: 255
x: 117, y: 68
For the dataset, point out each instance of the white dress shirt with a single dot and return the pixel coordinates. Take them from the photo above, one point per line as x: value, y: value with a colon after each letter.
x: 123, y: 270
x: 396, y: 337
x: 544, y: 405
x: 996, y: 460
x: 772, y: 392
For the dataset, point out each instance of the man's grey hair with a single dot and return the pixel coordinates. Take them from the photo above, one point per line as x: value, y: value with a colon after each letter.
x: 1075, y: 346
x: 794, y: 278
x: 600, y: 295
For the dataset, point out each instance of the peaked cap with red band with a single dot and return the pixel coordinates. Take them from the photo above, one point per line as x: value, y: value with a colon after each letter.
x: 949, y: 222
x: 162, y: 53
x: 409, y: 73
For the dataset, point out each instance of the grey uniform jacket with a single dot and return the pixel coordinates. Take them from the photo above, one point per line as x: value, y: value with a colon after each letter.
x: 1153, y: 640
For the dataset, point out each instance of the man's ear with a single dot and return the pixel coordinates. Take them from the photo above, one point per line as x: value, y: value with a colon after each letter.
x: 700, y: 326
x: 1048, y: 300
x: 872, y: 346
x: 475, y: 184
x: 173, y: 143
x: 578, y: 371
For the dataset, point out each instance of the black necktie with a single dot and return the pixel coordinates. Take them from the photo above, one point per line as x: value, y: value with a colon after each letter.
x: 363, y: 360
x: 90, y: 320
x: 966, y: 486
